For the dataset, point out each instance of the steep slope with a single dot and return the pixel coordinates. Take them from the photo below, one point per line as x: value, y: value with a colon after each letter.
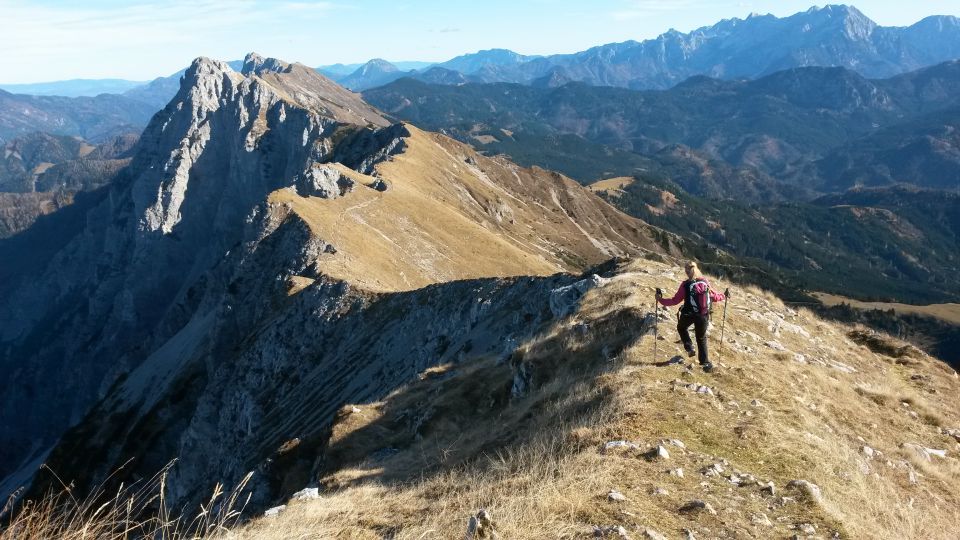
x: 258, y: 205
x: 808, y: 428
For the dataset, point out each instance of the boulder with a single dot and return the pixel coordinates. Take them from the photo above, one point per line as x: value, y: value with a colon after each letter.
x: 323, y: 181
x: 922, y: 452
x: 808, y: 488
x: 306, y: 494
x: 658, y: 452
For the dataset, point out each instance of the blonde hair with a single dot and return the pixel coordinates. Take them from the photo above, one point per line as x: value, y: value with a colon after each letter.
x: 692, y: 270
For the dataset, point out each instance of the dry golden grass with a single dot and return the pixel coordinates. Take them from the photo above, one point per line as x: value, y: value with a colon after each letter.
x: 611, y: 186
x: 535, y: 463
x: 133, y: 512
x: 451, y: 214
x: 946, y: 312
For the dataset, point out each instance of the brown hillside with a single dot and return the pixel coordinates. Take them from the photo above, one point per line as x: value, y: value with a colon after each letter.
x: 808, y: 428
x: 449, y: 213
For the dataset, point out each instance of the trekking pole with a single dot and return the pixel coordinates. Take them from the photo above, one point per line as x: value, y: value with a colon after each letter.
x: 723, y: 323
x: 656, y: 322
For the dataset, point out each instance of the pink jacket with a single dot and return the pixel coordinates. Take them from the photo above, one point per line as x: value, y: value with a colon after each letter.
x: 681, y: 294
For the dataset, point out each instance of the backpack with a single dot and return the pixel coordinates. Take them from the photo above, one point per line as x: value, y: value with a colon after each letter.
x: 697, y: 299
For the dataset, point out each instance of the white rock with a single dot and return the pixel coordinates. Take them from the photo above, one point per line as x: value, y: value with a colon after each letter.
x: 761, y: 519
x: 275, y: 511
x: 840, y: 366
x: 620, y: 445
x: 616, y: 496
x: 306, y: 494
x: 678, y: 472
x: 659, y: 452
x: 713, y: 470
x: 869, y: 452
x: 806, y: 528
x: 659, y: 491
x: 775, y: 345
x: 923, y: 452
x: 651, y: 534
x: 564, y: 300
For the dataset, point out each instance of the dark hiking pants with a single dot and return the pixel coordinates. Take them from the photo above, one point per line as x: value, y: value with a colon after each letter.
x: 699, y: 323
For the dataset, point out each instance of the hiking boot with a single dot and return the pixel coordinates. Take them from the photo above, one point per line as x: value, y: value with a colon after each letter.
x: 689, y: 348
x: 707, y: 367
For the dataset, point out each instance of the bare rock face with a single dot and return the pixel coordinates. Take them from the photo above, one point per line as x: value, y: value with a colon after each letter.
x: 136, y: 263
x: 322, y: 181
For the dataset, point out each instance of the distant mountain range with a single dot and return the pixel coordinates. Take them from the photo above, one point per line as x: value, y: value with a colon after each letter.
x: 800, y: 130
x: 832, y: 36
x: 93, y: 118
x: 73, y: 87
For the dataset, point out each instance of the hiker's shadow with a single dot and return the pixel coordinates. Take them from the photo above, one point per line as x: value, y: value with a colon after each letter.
x: 678, y: 359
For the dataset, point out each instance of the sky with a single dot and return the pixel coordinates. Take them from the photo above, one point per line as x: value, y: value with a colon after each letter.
x: 49, y: 40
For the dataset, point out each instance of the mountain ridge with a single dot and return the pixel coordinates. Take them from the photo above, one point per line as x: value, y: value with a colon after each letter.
x: 249, y: 193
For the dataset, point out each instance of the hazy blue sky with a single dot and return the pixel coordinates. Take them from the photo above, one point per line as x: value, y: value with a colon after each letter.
x: 46, y: 40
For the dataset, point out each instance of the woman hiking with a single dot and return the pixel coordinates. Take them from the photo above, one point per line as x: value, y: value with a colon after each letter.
x: 696, y: 295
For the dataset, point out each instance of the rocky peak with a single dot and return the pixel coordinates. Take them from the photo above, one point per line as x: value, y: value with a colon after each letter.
x: 254, y: 64
x: 377, y: 65
x: 853, y: 23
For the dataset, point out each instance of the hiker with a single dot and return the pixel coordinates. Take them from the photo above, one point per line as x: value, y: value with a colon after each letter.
x: 696, y: 295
